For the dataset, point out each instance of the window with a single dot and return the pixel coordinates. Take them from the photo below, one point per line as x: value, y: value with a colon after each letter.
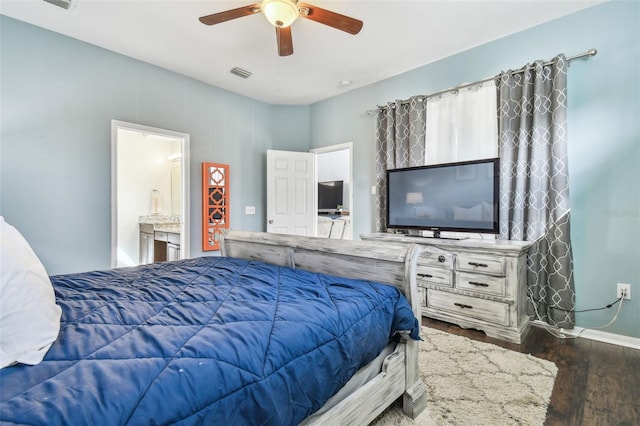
x: 462, y: 125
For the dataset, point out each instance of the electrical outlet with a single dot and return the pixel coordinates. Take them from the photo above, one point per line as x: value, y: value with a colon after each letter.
x: 624, y: 288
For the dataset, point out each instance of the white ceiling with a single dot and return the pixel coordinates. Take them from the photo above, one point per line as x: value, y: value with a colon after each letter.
x: 397, y: 36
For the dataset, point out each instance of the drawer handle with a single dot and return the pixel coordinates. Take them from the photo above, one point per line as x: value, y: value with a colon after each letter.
x: 478, y: 284
x: 425, y: 275
x: 463, y: 306
x: 441, y: 259
x: 479, y: 265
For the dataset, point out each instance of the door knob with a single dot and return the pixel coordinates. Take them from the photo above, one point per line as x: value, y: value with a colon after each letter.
x: 270, y: 221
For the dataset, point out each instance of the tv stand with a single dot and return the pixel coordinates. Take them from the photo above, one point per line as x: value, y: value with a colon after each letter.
x: 436, y: 235
x: 474, y: 283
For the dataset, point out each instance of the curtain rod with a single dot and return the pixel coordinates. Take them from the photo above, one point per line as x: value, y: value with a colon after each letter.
x: 589, y: 53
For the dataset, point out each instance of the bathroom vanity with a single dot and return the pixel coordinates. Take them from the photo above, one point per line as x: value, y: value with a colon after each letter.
x: 159, y: 238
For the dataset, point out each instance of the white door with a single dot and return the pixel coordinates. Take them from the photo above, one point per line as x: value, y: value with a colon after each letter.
x: 291, y: 192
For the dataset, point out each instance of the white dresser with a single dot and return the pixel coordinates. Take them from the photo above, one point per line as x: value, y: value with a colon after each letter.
x: 474, y: 283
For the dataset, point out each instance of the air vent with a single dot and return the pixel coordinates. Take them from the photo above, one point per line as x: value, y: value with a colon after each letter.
x: 65, y: 4
x: 240, y: 72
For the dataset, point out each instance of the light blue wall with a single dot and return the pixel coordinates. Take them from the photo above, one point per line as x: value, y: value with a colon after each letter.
x: 59, y: 96
x: 604, y: 140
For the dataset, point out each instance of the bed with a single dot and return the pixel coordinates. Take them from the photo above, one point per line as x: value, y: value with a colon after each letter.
x: 259, y: 335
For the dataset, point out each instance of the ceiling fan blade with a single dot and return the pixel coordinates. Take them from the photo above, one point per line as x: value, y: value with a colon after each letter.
x: 285, y: 42
x: 228, y: 15
x: 332, y: 19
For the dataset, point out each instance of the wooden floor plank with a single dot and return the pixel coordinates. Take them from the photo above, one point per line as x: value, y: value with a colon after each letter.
x: 567, y: 403
x: 606, y: 372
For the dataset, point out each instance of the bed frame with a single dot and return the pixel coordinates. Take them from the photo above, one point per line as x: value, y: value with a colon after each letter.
x: 388, y: 263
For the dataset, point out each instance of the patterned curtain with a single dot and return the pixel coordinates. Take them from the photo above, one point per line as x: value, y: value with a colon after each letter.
x: 534, y: 182
x: 400, y: 142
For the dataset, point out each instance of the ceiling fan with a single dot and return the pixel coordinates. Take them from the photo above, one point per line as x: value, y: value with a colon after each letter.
x: 282, y: 13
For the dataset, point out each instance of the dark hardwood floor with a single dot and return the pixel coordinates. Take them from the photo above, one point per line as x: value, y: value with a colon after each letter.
x: 597, y: 383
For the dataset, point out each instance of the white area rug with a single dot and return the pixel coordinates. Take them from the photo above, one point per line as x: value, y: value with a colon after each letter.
x: 476, y: 383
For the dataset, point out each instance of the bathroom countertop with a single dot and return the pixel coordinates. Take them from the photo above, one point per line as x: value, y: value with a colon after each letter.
x: 163, y: 223
x: 170, y: 227
x: 159, y: 218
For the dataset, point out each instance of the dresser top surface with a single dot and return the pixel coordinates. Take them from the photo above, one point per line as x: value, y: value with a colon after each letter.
x: 444, y: 243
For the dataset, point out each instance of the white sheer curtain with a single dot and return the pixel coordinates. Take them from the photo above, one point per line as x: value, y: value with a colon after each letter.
x: 462, y: 125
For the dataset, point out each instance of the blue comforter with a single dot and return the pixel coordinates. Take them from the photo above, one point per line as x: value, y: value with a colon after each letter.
x: 209, y: 341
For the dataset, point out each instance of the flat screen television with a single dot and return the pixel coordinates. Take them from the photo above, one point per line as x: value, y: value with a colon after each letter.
x: 329, y: 195
x: 458, y: 197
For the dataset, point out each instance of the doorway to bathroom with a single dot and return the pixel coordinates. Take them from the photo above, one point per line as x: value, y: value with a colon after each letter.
x: 149, y: 194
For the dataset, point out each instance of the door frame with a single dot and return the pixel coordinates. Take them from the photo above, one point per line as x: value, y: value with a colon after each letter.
x: 185, y: 183
x: 340, y: 147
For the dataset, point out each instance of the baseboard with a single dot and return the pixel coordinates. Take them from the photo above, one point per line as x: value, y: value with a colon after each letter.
x: 600, y: 336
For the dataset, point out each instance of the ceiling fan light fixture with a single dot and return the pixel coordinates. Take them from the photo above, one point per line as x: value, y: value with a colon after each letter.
x: 280, y: 13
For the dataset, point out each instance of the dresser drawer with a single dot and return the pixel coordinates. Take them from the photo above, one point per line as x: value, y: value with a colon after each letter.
x: 173, y: 238
x: 481, y: 283
x: 160, y: 236
x: 469, y: 307
x: 486, y: 265
x: 438, y: 276
x: 440, y: 259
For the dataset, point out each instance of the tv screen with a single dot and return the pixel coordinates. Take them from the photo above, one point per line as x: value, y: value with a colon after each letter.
x: 329, y: 195
x: 455, y: 197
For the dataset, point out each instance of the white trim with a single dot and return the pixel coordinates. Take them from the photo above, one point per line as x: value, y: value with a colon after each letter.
x: 603, y: 336
x: 600, y: 336
x: 185, y: 139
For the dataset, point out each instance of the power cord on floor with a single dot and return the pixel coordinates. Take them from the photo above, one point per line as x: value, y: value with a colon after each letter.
x: 557, y: 332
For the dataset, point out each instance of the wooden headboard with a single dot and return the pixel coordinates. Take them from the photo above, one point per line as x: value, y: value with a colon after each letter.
x: 387, y: 263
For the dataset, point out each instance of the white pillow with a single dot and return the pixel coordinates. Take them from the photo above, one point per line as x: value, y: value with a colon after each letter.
x: 29, y: 316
